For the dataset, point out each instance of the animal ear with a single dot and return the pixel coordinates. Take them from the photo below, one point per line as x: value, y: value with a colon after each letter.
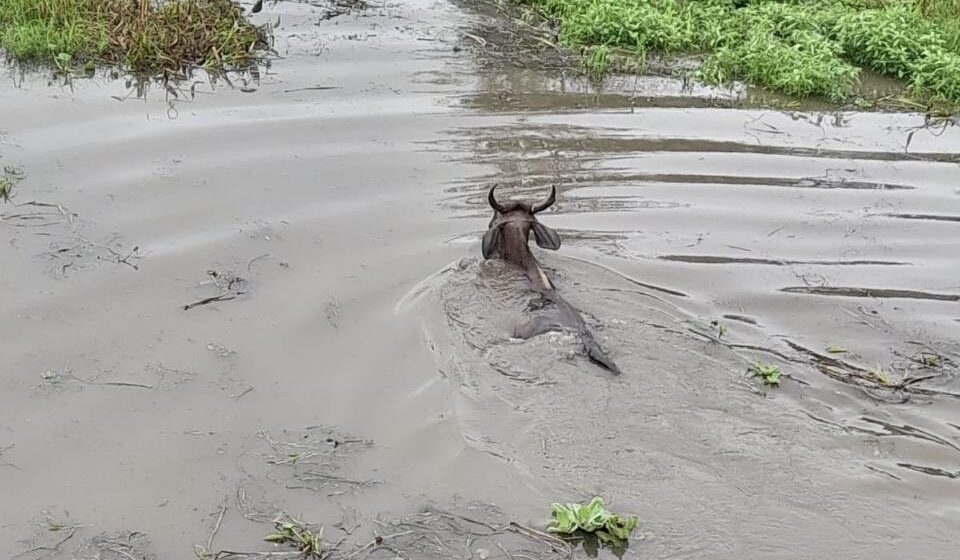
x: 491, y: 240
x: 546, y: 237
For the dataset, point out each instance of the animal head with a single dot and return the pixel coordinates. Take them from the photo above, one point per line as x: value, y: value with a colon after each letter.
x: 509, y: 230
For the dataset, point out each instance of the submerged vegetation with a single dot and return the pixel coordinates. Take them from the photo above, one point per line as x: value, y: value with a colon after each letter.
x: 798, y: 47
x: 142, y: 36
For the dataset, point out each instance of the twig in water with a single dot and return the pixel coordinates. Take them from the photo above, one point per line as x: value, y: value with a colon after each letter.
x: 121, y: 384
x: 230, y: 286
x: 251, y: 512
x: 216, y: 527
x: 204, y: 301
x: 255, y: 259
x: 54, y: 377
x: 55, y: 548
x: 556, y: 543
x: 377, y: 541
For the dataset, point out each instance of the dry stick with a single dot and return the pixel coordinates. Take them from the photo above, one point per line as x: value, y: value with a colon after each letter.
x: 928, y: 347
x: 375, y: 543
x: 122, y: 384
x: 216, y: 528
x: 70, y: 217
x: 231, y: 553
x: 470, y: 520
x: 250, y: 511
x: 255, y: 259
x: 204, y: 301
x: 112, y: 383
x: 55, y: 548
x: 557, y: 544
x: 318, y: 477
x: 120, y: 258
x: 333, y: 549
x: 123, y: 552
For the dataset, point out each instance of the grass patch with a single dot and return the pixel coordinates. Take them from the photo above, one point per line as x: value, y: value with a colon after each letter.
x: 147, y: 37
x: 799, y: 47
x: 9, y: 177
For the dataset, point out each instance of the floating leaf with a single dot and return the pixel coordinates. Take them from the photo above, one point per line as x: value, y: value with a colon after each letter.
x: 591, y: 518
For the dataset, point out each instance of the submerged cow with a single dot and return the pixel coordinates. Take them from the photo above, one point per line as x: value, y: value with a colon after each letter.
x: 507, y: 238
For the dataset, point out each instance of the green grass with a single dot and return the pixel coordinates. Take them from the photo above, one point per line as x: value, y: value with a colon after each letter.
x: 799, y: 47
x: 142, y: 36
x: 9, y: 177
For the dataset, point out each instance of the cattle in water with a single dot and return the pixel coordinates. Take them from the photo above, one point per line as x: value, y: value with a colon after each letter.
x: 507, y: 238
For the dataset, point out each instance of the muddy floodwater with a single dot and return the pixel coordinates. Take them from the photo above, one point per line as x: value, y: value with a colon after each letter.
x: 348, y: 358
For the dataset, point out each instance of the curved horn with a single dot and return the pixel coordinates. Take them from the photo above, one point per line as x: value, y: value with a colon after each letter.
x: 493, y: 201
x: 547, y: 203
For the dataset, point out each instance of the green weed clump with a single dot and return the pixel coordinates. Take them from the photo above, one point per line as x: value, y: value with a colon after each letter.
x: 937, y: 75
x: 798, y: 47
x: 143, y: 36
x: 889, y: 40
x: 658, y: 25
x: 784, y: 48
x: 296, y: 533
x: 9, y: 177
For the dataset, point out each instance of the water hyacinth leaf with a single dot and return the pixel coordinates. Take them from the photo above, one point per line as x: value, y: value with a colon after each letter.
x: 564, y: 519
x: 621, y: 527
x: 593, y: 516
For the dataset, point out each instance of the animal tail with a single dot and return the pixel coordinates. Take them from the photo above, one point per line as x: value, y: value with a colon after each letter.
x: 596, y: 354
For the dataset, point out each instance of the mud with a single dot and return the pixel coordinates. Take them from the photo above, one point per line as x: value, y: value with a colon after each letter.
x: 363, y: 377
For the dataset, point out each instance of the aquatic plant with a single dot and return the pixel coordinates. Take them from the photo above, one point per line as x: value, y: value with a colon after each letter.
x: 567, y: 519
x: 768, y: 373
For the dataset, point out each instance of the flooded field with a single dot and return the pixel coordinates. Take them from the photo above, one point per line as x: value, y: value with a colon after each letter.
x: 270, y: 298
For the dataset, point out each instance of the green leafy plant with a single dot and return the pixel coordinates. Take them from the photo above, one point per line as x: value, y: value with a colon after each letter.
x: 296, y: 533
x: 889, y: 40
x: 149, y: 37
x: 799, y: 47
x: 567, y: 519
x: 937, y: 75
x: 768, y: 373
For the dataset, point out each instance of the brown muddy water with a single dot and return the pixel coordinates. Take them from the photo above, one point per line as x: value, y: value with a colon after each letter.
x: 362, y: 371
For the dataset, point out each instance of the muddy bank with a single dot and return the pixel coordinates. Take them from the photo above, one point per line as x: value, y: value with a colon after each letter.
x: 364, y: 374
